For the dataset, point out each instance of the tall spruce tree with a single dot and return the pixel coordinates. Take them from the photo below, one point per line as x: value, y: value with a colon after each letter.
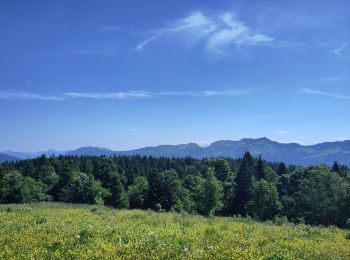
x: 260, y: 169
x: 118, y: 197
x: 244, y: 181
x: 281, y: 169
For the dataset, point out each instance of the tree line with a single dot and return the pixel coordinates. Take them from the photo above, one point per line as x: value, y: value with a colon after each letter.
x: 317, y: 195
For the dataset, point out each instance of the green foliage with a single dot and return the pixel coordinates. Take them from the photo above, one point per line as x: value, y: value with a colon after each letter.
x: 15, y: 188
x: 221, y: 167
x: 66, y: 231
x: 138, y: 193
x: 260, y: 169
x: 281, y: 169
x: 165, y: 189
x: 117, y: 198
x: 47, y: 175
x: 316, y: 195
x: 210, y: 194
x: 244, y: 182
x: 281, y: 220
x: 265, y: 203
x: 83, y: 189
x: 340, y: 169
x: 28, y: 169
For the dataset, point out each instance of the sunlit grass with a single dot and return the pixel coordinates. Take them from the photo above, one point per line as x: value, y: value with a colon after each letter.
x: 64, y: 231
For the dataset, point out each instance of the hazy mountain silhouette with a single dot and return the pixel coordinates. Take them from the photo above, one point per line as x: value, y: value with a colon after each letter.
x: 293, y: 153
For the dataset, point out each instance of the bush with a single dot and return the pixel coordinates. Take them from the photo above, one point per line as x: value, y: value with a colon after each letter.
x: 281, y: 221
x: 347, y: 237
x: 158, y: 207
x: 347, y: 223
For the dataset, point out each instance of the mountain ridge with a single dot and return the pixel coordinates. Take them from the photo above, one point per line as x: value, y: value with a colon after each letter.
x: 293, y: 153
x: 5, y: 157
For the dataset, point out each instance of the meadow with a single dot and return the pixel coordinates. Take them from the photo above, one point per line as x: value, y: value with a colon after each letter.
x: 67, y: 231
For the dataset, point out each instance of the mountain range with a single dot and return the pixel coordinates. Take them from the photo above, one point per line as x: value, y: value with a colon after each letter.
x: 291, y: 153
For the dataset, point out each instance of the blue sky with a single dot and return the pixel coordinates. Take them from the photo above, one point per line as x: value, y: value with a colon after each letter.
x: 128, y: 74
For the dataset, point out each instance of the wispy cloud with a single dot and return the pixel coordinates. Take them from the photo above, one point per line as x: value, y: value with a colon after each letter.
x: 149, y: 94
x: 277, y: 19
x: 234, y: 32
x: 137, y: 129
x: 206, y: 93
x: 96, y: 50
x: 331, y: 79
x: 216, y: 32
x: 110, y: 28
x: 132, y: 94
x: 203, y: 142
x: 20, y: 95
x: 109, y: 95
x: 194, y: 26
x: 340, y: 49
x: 283, y: 132
x: 290, y: 142
x: 324, y: 93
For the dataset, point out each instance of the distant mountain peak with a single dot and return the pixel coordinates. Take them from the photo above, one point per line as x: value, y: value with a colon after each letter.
x: 264, y: 139
x: 293, y: 153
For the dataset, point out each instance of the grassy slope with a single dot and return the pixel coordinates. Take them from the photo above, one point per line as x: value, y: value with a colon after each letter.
x: 83, y: 232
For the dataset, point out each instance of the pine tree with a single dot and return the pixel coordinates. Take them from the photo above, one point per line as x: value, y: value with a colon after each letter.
x: 260, y: 169
x: 336, y: 167
x: 244, y: 181
x: 118, y: 197
x: 282, y: 169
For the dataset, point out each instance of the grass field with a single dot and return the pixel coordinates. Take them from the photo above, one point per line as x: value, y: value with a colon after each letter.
x: 62, y: 231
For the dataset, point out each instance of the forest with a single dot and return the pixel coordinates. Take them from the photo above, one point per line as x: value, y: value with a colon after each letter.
x: 315, y: 195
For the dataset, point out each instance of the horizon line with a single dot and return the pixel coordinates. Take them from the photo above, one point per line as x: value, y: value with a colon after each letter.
x: 152, y: 146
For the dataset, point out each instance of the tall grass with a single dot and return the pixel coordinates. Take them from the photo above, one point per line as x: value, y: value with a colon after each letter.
x: 70, y: 231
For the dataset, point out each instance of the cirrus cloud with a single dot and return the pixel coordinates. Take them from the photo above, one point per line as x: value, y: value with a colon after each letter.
x: 325, y: 93
x: 131, y: 94
x: 216, y: 32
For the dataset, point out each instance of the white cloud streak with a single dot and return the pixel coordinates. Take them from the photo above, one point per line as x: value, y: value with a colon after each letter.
x: 206, y: 93
x: 110, y: 95
x: 132, y: 94
x: 194, y: 26
x: 110, y: 28
x: 20, y: 95
x: 342, y: 51
x: 235, y: 33
x: 97, y: 50
x: 217, y: 32
x: 283, y: 132
x: 324, y: 93
x: 339, y: 50
x: 148, y: 94
x: 331, y: 79
x: 135, y: 129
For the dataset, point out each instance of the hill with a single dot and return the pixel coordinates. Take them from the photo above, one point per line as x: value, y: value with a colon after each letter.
x: 30, y: 155
x: 66, y: 231
x: 292, y: 153
x: 5, y: 157
x: 96, y: 151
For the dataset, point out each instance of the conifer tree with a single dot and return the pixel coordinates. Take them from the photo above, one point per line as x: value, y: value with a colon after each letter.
x: 118, y: 197
x: 260, y: 169
x: 282, y: 169
x: 244, y: 181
